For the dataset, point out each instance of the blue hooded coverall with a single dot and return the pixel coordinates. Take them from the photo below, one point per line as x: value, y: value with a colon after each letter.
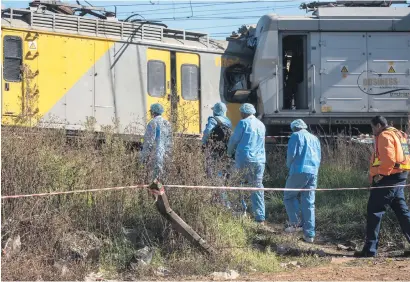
x: 303, y: 161
x: 248, y: 140
x: 157, y: 142
x: 219, y: 111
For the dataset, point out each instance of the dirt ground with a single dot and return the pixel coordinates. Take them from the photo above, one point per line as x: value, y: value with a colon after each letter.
x: 345, y: 269
x: 340, y: 269
x: 341, y: 266
x: 338, y: 265
x: 328, y: 263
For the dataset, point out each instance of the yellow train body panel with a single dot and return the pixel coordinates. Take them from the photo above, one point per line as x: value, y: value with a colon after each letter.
x: 233, y: 113
x: 188, y: 107
x: 165, y: 99
x: 57, y: 78
x: 52, y: 64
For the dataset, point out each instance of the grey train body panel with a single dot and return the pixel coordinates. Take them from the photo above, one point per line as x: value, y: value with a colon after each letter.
x: 119, y: 96
x: 356, y: 64
x: 108, y: 92
x: 210, y: 86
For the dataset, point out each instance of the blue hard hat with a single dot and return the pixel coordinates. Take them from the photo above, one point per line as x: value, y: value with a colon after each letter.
x: 298, y: 123
x: 247, y: 109
x: 219, y: 109
x: 157, y: 109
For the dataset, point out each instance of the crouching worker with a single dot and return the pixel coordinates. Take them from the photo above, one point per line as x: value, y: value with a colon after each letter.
x: 157, y: 143
x: 303, y: 161
x: 390, y: 163
x: 214, y: 141
x: 248, y: 142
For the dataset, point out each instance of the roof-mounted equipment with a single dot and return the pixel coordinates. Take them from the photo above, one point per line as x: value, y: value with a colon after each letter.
x: 59, y: 7
x: 352, y: 3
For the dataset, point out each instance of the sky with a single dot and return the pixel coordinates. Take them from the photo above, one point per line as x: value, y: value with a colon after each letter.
x: 217, y: 17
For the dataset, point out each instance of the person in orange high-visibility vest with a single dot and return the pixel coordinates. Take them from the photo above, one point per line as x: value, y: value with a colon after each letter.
x: 389, y: 166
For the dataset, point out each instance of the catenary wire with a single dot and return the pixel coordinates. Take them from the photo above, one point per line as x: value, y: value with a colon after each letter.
x: 198, y: 3
x: 186, y: 7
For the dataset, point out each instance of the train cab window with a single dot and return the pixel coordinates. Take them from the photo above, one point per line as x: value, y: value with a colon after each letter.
x: 156, y: 78
x: 190, y: 82
x: 13, y: 58
x: 237, y: 84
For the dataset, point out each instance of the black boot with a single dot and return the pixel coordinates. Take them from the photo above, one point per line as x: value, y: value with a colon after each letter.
x: 364, y: 254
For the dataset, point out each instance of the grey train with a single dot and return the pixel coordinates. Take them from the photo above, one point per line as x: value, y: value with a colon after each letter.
x: 336, y: 68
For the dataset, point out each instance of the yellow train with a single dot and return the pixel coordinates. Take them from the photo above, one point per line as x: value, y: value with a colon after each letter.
x: 66, y: 71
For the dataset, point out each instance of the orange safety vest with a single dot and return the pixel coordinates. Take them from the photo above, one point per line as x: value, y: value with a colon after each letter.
x: 402, y: 151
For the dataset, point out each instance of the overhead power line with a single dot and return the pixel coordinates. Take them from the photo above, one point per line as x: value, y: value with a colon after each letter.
x: 206, y: 5
x: 213, y: 10
x: 225, y: 13
x: 206, y: 18
x: 199, y: 17
x: 220, y: 33
x: 219, y: 26
x: 195, y: 3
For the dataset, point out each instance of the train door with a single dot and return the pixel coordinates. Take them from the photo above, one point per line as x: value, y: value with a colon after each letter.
x: 12, y: 80
x: 19, y: 81
x: 388, y: 81
x: 186, y: 69
x: 159, y: 80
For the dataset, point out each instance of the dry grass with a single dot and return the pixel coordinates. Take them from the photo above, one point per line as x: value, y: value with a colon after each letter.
x: 35, y: 161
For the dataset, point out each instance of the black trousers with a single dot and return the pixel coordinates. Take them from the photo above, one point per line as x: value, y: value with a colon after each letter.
x: 378, y: 201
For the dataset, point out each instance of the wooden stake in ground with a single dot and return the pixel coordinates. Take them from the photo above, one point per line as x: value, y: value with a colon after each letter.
x: 177, y: 223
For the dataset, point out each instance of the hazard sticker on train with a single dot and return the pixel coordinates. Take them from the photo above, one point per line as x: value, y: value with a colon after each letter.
x: 344, y: 69
x: 391, y: 70
x: 32, y: 45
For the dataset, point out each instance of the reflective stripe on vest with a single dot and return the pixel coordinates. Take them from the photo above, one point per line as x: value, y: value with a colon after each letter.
x: 405, y: 164
x: 376, y: 161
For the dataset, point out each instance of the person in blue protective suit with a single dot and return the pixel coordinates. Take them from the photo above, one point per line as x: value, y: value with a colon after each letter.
x: 219, y: 114
x: 215, y: 146
x: 303, y: 161
x: 157, y: 142
x: 248, y: 143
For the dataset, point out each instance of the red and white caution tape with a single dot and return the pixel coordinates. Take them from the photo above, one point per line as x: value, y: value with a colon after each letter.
x: 279, y: 189
x: 74, y: 192
x: 196, y: 187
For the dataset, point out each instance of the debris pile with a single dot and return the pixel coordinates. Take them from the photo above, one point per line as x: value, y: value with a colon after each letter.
x: 246, y: 33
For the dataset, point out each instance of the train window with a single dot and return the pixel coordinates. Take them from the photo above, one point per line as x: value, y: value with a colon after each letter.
x: 156, y: 78
x: 13, y: 58
x: 237, y: 84
x: 190, y: 82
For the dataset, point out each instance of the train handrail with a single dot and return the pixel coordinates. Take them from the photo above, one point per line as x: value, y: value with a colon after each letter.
x: 313, y: 89
x: 277, y: 88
